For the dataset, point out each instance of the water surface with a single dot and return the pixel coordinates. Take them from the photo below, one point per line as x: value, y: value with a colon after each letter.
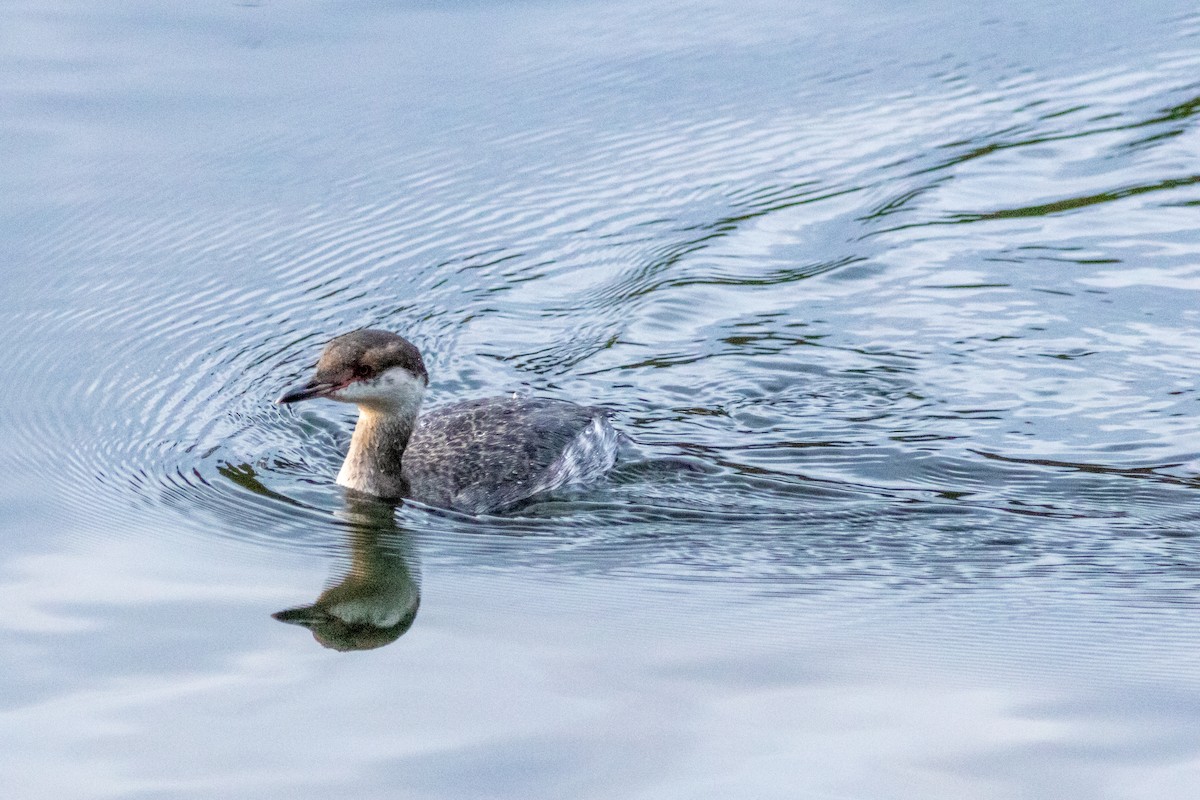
x: 898, y: 305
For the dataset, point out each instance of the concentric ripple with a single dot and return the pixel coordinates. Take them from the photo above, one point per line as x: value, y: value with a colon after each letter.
x: 931, y: 330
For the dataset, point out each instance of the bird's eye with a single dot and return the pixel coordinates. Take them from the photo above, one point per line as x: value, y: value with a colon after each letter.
x: 362, y: 372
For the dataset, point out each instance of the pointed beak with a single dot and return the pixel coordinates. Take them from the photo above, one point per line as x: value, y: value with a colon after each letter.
x: 308, y: 616
x: 308, y: 391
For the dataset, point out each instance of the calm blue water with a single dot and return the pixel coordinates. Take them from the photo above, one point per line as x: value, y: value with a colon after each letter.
x: 899, y: 305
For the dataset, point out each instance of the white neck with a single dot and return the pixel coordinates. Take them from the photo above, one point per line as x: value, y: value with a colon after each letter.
x: 387, y: 414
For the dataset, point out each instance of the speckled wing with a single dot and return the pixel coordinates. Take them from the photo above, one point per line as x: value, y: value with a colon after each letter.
x: 484, y: 455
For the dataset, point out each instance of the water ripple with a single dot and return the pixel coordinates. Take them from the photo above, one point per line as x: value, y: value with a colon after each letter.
x: 903, y: 339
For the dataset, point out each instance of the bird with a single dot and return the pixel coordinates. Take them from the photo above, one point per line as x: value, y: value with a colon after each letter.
x: 479, y: 456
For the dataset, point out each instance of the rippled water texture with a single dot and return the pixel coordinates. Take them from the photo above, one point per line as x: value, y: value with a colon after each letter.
x: 898, y: 305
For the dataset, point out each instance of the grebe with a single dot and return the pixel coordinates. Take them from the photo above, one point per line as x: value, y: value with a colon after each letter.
x: 477, y: 456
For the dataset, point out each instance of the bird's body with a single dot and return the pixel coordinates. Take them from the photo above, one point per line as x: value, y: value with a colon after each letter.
x: 476, y: 456
x: 496, y: 452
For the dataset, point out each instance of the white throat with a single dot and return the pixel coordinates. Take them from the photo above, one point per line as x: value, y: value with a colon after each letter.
x: 387, y: 414
x: 395, y: 392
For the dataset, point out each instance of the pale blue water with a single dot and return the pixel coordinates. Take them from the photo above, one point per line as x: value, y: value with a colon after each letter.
x: 900, y: 305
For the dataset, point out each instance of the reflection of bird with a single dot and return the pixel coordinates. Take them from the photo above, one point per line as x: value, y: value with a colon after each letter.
x: 377, y: 600
x: 476, y: 456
